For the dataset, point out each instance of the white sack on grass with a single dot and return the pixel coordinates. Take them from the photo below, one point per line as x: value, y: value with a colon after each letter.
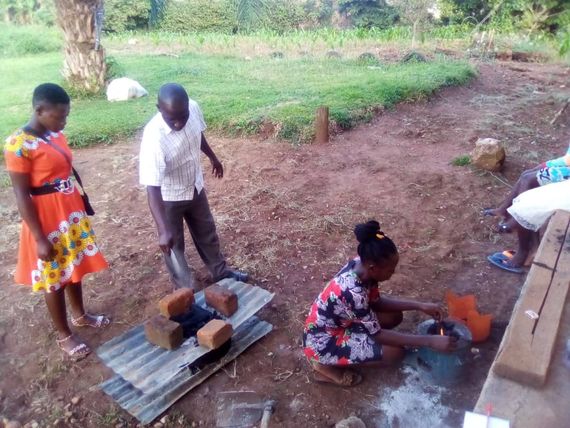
x: 532, y: 208
x: 123, y: 89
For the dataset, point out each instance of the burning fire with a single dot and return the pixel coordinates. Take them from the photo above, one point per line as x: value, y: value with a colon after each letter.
x: 441, y: 332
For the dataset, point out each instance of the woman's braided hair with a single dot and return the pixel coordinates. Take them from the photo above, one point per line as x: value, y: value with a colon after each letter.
x: 373, y: 245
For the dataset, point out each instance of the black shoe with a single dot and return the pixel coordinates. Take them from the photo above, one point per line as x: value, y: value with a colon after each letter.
x: 238, y: 276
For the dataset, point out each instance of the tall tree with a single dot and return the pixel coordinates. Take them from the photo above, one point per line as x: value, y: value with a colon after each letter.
x: 82, y: 21
x: 416, y: 12
x: 84, y: 63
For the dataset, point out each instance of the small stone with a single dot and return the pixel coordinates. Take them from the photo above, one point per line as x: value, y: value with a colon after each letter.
x: 68, y: 414
x: 75, y: 400
x: 194, y: 424
x: 34, y: 424
x: 158, y: 425
x: 12, y: 424
x: 164, y: 420
x: 489, y: 154
x: 352, y: 422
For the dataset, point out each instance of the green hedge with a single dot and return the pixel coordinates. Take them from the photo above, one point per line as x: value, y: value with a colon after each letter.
x: 221, y: 16
x: 199, y: 15
x: 124, y: 15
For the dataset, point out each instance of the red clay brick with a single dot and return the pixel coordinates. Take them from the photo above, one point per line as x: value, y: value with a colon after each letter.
x: 221, y: 299
x: 162, y: 332
x: 214, y: 334
x: 176, y: 303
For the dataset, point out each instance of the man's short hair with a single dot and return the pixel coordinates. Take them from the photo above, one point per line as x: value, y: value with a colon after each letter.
x: 50, y: 93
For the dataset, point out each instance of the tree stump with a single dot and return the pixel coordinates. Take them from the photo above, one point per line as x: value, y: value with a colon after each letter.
x: 322, y: 125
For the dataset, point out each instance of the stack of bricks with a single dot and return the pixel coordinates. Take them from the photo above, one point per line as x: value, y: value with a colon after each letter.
x: 160, y: 330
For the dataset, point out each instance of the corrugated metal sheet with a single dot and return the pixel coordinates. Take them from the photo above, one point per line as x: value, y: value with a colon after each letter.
x: 147, y: 406
x: 150, y: 379
x: 146, y: 366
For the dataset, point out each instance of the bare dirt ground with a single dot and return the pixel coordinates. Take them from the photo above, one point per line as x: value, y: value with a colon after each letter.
x: 286, y: 214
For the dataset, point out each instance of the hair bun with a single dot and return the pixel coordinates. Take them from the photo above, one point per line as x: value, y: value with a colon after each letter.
x: 366, y: 231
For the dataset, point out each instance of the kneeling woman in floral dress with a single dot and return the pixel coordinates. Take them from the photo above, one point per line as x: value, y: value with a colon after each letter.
x: 57, y: 244
x: 349, y: 323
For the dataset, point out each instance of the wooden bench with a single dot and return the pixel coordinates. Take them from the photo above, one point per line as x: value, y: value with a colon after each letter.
x: 529, y: 383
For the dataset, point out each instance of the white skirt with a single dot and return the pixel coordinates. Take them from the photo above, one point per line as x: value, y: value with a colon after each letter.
x: 531, y: 209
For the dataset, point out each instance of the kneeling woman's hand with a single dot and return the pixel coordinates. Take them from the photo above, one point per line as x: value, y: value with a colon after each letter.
x: 443, y: 343
x: 432, y: 310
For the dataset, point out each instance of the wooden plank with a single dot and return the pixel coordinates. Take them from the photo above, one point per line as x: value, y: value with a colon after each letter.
x: 527, y: 407
x: 526, y: 350
x: 551, y: 244
x: 514, y: 356
x: 548, y: 324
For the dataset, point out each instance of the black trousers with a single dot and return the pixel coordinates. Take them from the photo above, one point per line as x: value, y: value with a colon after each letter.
x: 198, y: 217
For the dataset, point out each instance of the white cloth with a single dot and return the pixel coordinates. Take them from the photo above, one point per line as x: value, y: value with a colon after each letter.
x: 123, y: 89
x: 531, y: 209
x: 171, y: 159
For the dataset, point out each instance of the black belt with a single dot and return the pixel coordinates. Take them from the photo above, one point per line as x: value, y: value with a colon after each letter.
x: 63, y: 186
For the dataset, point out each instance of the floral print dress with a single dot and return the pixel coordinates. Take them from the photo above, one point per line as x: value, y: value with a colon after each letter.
x: 340, y: 327
x: 61, y: 214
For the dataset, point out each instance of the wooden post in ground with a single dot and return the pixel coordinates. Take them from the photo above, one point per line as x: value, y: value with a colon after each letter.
x: 322, y: 125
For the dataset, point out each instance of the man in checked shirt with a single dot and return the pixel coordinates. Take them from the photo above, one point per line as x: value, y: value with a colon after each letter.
x: 169, y: 167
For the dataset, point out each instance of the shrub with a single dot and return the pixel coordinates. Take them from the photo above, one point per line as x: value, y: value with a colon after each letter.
x: 199, y: 15
x: 461, y: 160
x: 124, y: 15
x: 368, y: 13
x: 318, y: 13
x: 282, y: 16
x: 26, y: 40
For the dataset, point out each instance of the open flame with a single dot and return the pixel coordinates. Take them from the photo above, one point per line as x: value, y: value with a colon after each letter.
x: 441, y: 332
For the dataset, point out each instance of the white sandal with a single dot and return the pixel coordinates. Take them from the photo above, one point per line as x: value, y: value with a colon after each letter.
x: 101, y: 321
x: 78, y: 352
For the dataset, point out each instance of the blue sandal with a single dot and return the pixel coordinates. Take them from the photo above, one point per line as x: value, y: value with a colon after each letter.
x: 502, y: 259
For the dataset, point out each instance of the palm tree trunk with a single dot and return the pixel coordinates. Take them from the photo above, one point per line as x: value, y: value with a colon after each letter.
x: 84, y: 65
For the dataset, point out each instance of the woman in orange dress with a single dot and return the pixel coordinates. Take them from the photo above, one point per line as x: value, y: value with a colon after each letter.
x: 57, y: 244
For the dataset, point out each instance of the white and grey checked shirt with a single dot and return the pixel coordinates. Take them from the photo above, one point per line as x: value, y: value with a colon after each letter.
x: 171, y: 159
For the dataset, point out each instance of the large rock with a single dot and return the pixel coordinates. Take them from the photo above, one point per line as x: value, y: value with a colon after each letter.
x: 352, y: 422
x: 489, y: 154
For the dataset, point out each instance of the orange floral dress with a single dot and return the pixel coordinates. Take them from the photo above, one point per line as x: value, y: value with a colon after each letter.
x: 61, y: 214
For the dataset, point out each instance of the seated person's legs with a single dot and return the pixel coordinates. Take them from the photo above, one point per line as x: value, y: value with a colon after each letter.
x: 527, y: 180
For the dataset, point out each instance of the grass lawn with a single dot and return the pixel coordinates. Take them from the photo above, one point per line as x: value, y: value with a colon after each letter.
x: 237, y: 95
